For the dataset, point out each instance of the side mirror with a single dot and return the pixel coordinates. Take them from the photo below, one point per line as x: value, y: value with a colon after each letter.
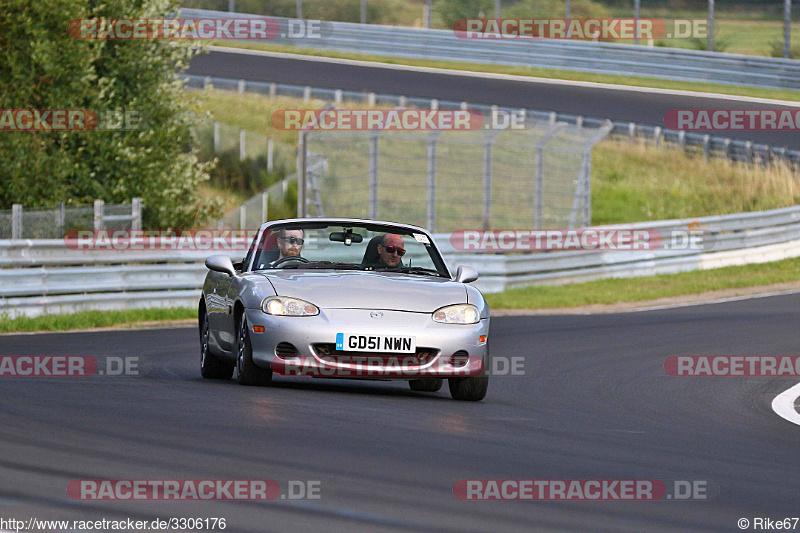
x: 466, y: 274
x: 221, y: 263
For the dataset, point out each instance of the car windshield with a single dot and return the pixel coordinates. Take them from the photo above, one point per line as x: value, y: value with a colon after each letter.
x: 314, y: 245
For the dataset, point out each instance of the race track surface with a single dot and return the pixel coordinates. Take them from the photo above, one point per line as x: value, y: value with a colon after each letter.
x: 616, y: 104
x: 594, y: 403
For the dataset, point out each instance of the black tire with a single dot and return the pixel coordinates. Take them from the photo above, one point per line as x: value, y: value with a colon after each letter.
x: 211, y: 367
x: 426, y: 384
x: 247, y: 372
x: 469, y: 389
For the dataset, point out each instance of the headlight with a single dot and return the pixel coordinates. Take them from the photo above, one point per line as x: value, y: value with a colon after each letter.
x: 283, y: 306
x: 457, y: 314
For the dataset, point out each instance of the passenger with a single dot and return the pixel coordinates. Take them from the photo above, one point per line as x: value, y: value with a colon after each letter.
x: 390, y: 251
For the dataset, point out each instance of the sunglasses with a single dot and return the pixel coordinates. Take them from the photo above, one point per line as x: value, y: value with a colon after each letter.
x: 395, y: 249
x: 293, y: 240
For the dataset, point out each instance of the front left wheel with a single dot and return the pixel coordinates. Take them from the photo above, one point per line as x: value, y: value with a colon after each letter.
x: 247, y: 372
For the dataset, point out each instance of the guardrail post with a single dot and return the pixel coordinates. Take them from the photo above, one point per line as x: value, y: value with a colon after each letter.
x: 434, y: 104
x: 682, y: 139
x: 136, y: 213
x: 99, y: 208
x: 707, y: 146
x: 426, y: 13
x: 270, y: 160
x: 242, y: 146
x: 553, y: 117
x: 216, y: 137
x: 301, y: 174
x: 207, y: 82
x: 748, y: 150
x: 787, y: 28
x: 264, y: 206
x: 657, y: 135
x: 273, y: 90
x: 632, y: 130
x: 487, y: 178
x: 710, y: 25
x: 306, y: 94
x: 373, y: 175
x: 464, y: 106
x: 60, y: 217
x: 371, y: 99
x: 579, y: 121
x: 431, y: 219
x: 16, y: 221
x: 240, y: 87
x: 337, y: 96
x: 403, y: 101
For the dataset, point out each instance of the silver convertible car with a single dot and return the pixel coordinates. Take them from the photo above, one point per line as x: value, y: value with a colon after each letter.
x: 344, y: 298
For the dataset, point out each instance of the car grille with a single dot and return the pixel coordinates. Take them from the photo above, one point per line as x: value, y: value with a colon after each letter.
x: 423, y: 355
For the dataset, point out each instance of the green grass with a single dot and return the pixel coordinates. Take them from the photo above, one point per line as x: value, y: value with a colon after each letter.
x: 610, y: 291
x: 636, y: 182
x: 93, y: 319
x: 776, y: 94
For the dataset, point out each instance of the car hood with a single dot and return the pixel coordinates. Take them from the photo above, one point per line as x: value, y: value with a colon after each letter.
x: 368, y: 290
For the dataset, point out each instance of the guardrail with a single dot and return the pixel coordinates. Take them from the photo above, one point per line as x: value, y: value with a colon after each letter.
x: 597, y: 57
x: 50, y: 277
x: 710, y: 146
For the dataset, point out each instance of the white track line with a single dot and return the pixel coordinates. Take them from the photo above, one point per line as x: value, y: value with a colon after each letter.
x: 492, y: 76
x: 783, y: 404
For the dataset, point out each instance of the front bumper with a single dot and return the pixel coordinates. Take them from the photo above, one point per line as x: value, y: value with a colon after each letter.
x: 450, y: 350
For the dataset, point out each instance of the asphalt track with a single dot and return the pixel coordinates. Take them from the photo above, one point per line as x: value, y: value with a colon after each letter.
x: 626, y: 104
x: 594, y: 403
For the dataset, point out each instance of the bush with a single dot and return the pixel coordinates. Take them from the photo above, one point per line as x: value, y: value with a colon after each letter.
x: 44, y: 68
x: 776, y: 50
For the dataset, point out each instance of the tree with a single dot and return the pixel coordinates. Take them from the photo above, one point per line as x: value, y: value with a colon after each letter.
x: 42, y: 67
x: 453, y: 10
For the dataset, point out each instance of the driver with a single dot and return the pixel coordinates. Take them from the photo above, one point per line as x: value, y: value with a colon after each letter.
x: 390, y: 250
x: 290, y: 242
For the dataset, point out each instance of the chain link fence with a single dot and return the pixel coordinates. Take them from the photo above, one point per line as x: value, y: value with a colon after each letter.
x: 56, y: 222
x: 537, y: 176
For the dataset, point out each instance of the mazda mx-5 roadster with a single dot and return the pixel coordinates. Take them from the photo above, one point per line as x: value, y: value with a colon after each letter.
x: 344, y: 298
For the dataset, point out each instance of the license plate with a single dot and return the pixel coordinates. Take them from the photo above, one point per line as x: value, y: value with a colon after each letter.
x: 347, y: 342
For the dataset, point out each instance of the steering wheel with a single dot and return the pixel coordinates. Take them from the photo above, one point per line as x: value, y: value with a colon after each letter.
x: 290, y: 258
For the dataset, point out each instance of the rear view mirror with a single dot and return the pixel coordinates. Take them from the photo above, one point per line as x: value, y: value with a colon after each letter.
x: 347, y: 237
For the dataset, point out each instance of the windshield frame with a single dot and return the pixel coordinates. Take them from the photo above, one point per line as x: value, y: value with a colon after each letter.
x: 369, y: 225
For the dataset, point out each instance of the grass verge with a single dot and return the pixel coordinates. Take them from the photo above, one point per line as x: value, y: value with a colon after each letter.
x: 775, y: 94
x: 611, y: 291
x: 95, y: 319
